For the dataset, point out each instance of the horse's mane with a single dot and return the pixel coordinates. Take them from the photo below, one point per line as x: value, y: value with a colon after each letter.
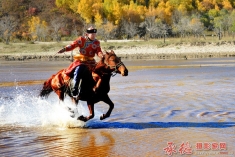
x: 100, y: 67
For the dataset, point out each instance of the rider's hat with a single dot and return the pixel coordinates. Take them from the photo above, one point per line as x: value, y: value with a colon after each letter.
x: 91, y: 30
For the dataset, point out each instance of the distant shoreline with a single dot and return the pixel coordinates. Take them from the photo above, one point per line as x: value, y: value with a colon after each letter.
x: 142, y: 52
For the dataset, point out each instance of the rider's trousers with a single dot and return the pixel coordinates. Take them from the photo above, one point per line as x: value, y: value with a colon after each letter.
x: 76, y: 78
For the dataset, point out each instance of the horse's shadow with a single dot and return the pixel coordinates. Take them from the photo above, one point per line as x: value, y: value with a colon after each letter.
x: 146, y: 125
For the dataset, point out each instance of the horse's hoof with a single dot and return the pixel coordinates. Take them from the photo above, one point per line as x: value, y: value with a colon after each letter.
x: 82, y: 118
x: 102, y: 117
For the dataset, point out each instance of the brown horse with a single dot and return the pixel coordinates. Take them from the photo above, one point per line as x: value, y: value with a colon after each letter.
x: 107, y: 67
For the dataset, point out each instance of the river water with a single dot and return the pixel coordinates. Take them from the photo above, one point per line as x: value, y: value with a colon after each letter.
x: 159, y: 102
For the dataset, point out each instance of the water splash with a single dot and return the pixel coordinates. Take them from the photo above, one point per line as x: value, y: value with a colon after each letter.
x: 24, y: 108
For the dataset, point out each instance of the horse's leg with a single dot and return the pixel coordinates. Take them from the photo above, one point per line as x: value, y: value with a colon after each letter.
x: 75, y: 101
x: 108, y: 101
x: 60, y: 94
x: 91, y: 110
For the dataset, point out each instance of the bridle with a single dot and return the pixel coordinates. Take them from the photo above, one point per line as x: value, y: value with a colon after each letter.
x: 115, y: 67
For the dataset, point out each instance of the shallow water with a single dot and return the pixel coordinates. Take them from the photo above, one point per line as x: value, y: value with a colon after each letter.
x: 175, y: 101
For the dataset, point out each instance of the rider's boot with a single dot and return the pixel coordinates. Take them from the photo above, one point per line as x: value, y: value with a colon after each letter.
x: 76, y: 80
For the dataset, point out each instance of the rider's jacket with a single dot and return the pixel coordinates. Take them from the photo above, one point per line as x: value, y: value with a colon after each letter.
x: 85, y: 46
x: 86, y: 50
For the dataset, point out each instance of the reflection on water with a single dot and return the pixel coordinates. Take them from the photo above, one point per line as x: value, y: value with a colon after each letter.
x: 19, y: 141
x: 160, y: 101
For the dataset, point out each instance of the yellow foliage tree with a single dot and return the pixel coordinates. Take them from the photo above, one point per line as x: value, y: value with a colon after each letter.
x: 200, y: 7
x: 113, y: 11
x: 185, y: 6
x: 109, y: 27
x: 35, y: 25
x: 227, y: 5
x: 71, y: 4
x: 117, y: 12
x: 154, y: 3
x: 164, y: 11
x: 88, y: 9
x: 168, y: 11
x: 97, y: 10
x: 124, y: 2
x: 206, y: 5
x: 151, y: 12
x: 85, y: 10
x: 133, y: 12
x: 142, y: 2
x: 98, y: 20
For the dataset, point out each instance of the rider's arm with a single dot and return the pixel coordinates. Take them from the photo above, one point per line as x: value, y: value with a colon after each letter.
x: 77, y: 43
x: 98, y: 49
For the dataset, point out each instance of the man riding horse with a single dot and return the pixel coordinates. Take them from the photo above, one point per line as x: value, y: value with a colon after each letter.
x: 87, y: 46
x: 94, y: 75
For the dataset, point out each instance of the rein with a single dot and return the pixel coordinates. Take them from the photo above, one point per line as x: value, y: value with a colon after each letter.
x: 115, y: 67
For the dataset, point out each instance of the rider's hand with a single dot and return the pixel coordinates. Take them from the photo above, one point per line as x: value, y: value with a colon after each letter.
x: 101, y: 55
x: 61, y: 51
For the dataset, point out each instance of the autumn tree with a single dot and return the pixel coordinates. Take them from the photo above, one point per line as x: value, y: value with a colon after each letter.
x: 70, y: 5
x: 196, y: 27
x: 150, y: 26
x: 13, y: 7
x: 106, y: 31
x: 163, y: 30
x: 130, y: 28
x: 113, y: 11
x: 205, y: 5
x: 56, y: 25
x: 80, y: 13
x: 133, y: 13
x: 142, y: 2
x: 88, y: 9
x: 98, y: 13
x: 227, y: 5
x: 164, y: 11
x: 8, y: 25
x: 181, y: 26
x: 36, y: 27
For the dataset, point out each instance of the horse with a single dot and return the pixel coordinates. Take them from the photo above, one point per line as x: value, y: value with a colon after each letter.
x: 109, y: 66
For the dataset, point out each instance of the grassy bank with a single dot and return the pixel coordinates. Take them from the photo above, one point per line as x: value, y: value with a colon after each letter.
x: 173, y: 48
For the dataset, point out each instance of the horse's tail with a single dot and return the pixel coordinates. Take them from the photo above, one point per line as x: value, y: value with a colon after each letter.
x: 46, y: 89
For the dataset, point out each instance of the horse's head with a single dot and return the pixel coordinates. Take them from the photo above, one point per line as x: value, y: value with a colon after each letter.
x: 115, y: 63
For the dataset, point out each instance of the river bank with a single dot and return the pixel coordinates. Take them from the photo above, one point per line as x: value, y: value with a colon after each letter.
x: 137, y: 51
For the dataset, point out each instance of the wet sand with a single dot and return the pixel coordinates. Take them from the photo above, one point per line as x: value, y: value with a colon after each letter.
x: 181, y: 105
x: 144, y: 140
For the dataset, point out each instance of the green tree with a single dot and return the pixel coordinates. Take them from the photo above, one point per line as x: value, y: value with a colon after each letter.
x: 232, y: 22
